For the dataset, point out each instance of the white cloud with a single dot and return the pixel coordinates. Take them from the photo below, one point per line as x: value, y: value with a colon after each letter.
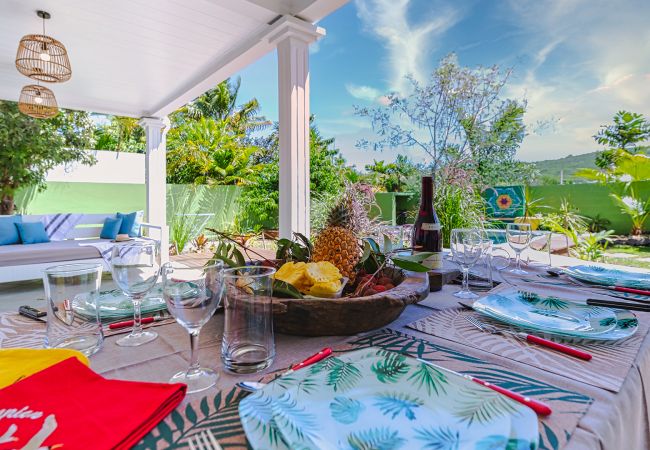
x: 589, y: 59
x: 367, y: 93
x: 408, y: 43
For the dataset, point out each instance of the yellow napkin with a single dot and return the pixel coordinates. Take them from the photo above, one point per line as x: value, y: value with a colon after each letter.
x: 18, y: 363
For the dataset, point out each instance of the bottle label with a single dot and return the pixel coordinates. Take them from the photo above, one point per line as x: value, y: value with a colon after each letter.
x: 434, y: 261
x: 431, y: 226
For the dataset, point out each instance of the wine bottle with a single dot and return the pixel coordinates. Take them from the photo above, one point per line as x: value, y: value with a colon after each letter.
x: 427, y: 234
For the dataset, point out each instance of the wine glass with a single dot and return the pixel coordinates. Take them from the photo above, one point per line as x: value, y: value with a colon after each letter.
x: 135, y: 268
x: 466, y: 248
x: 518, y: 236
x: 192, y: 295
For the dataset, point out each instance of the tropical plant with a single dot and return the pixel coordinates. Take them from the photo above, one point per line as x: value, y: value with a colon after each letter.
x: 392, y: 177
x: 259, y: 202
x: 635, y: 207
x: 185, y: 222
x: 206, y: 151
x: 626, y: 133
x: 121, y: 134
x: 30, y: 147
x: 220, y: 104
x: 597, y: 223
x: 457, y: 118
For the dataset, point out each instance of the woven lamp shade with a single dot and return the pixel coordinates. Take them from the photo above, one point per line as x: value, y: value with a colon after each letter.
x: 43, y: 58
x: 37, y: 101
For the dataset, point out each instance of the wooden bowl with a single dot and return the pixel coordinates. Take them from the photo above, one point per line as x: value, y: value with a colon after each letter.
x: 347, y: 316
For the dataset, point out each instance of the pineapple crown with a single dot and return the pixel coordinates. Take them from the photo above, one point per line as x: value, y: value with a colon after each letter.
x: 351, y: 211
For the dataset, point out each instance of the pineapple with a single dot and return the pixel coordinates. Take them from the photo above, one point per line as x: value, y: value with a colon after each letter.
x: 338, y: 241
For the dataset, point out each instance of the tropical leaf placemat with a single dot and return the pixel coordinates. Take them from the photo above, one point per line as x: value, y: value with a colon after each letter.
x: 219, y: 413
x: 608, y: 368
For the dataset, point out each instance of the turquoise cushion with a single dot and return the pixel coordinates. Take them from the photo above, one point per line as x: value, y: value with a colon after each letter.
x: 8, y: 231
x: 111, y: 227
x: 32, y: 232
x: 130, y: 223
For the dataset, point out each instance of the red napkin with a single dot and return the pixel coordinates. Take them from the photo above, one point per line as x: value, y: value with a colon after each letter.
x: 69, y: 406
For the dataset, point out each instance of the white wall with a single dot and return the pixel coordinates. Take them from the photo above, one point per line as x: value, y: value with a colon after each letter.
x: 111, y: 167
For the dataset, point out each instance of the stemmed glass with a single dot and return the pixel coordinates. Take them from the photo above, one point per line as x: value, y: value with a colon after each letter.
x: 518, y: 235
x: 466, y: 248
x: 135, y: 268
x: 192, y: 295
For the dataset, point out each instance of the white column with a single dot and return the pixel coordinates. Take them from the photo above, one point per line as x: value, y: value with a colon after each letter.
x: 156, y: 177
x: 292, y: 41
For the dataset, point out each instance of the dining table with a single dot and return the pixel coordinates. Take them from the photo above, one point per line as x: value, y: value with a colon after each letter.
x: 602, y: 403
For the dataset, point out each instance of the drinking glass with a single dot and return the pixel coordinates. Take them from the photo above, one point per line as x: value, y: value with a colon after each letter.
x: 192, y: 295
x: 135, y: 268
x: 480, y: 277
x: 542, y: 241
x: 466, y: 248
x: 248, y: 345
x: 518, y: 235
x: 69, y: 290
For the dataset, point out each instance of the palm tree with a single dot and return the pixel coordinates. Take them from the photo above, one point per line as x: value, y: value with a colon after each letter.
x: 220, y: 103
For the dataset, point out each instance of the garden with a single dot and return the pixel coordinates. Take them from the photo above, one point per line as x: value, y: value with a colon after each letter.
x: 223, y: 166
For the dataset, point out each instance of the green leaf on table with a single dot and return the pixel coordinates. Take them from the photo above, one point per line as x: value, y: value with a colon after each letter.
x: 367, y: 250
x: 409, y: 265
x: 289, y: 416
x: 190, y: 413
x: 205, y: 409
x: 430, y: 378
x: 417, y: 257
x: 388, y: 244
x: 343, y: 376
x: 395, y: 404
x: 178, y: 420
x: 477, y: 403
x: 346, y: 410
x: 285, y: 290
x: 373, y: 245
x: 376, y: 438
x: 391, y: 369
x: 445, y: 439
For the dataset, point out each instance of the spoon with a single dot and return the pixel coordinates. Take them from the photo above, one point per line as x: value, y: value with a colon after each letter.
x: 252, y: 386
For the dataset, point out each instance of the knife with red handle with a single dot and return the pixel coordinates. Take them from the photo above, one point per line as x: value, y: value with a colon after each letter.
x: 557, y: 347
x: 540, y: 408
x: 313, y: 359
x: 630, y: 290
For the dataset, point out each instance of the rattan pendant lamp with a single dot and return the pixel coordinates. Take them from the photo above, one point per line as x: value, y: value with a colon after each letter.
x: 42, y: 57
x: 37, y: 101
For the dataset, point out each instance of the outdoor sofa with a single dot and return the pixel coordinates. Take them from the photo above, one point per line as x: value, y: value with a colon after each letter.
x: 81, y: 244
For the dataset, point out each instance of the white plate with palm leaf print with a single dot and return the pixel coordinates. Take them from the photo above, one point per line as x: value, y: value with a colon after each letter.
x: 373, y: 398
x: 605, y: 276
x: 115, y: 304
x: 626, y: 325
x: 546, y: 314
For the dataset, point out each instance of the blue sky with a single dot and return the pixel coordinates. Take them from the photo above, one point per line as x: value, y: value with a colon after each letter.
x: 576, y: 62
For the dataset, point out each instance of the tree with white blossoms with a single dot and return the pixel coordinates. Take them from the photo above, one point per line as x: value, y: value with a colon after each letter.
x: 458, y: 118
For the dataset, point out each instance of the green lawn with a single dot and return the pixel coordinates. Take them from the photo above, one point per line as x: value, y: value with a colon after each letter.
x: 626, y: 255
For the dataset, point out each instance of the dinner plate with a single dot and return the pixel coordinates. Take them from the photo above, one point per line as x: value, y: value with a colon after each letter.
x: 546, y: 314
x: 115, y: 304
x: 373, y: 398
x: 609, y: 277
x: 626, y: 325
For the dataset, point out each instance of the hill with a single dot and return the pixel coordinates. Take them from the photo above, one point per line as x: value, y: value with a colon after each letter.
x: 550, y: 168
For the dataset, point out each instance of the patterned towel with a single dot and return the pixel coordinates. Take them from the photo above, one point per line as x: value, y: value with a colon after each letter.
x: 57, y: 226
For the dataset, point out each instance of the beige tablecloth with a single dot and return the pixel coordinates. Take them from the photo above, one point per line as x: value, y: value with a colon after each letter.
x: 612, y: 420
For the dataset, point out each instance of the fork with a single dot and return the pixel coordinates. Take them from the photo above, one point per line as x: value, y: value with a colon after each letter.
x: 205, y: 440
x: 529, y: 338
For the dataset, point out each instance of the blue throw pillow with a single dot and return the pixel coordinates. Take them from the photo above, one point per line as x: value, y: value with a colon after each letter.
x: 8, y: 231
x: 32, y: 232
x: 130, y: 223
x: 111, y: 228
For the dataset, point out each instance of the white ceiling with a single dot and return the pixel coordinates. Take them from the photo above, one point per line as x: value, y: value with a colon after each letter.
x: 146, y: 57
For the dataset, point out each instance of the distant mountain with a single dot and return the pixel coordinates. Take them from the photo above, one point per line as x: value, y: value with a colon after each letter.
x: 550, y: 168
